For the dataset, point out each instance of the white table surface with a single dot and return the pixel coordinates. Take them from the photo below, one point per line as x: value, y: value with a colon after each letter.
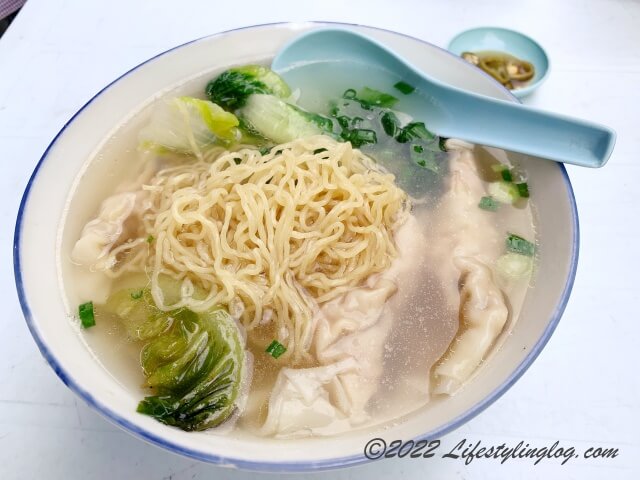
x: 583, y: 390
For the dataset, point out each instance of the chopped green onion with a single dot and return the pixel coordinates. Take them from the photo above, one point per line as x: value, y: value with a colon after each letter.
x: 499, y: 167
x: 349, y: 94
x: 370, y: 96
x: 414, y: 131
x: 489, y: 204
x: 343, y: 121
x: 390, y: 123
x: 85, y: 312
x: 264, y: 150
x: 360, y: 136
x: 404, y: 87
x: 506, y: 175
x: 150, y: 239
x: 275, y: 349
x: 517, y: 244
x: 523, y: 189
x: 136, y: 295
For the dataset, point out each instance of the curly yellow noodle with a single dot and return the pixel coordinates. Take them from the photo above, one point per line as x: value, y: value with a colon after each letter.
x: 282, y: 232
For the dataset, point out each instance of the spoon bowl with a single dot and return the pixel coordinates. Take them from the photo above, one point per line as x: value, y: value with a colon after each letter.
x: 451, y: 112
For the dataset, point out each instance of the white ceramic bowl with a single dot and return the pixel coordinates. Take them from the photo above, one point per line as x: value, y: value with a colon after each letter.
x: 64, y: 192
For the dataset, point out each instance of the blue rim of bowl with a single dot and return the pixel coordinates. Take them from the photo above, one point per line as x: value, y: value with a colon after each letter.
x: 521, y: 92
x: 297, y: 466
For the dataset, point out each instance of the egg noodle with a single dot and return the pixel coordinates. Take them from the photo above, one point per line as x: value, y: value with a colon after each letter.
x: 273, y: 234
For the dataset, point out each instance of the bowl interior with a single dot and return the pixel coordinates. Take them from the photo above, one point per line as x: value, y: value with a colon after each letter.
x: 509, y: 41
x: 69, y: 183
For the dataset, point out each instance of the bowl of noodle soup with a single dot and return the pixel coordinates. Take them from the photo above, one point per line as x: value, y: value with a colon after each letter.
x: 301, y: 237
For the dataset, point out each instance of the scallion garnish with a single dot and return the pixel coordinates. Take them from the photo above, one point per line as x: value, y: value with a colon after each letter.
x: 136, y: 295
x: 404, y: 87
x: 150, y: 239
x: 523, y: 190
x: 414, y: 131
x: 360, y: 136
x: 519, y: 245
x: 349, y: 94
x: 506, y: 175
x: 390, y: 123
x: 275, y: 349
x: 369, y: 96
x: 489, y: 204
x: 87, y: 317
x: 343, y: 121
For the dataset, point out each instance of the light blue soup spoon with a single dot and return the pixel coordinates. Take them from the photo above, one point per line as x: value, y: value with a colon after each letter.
x: 451, y: 112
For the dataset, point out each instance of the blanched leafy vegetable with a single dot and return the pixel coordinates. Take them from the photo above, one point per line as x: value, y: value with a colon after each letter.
x: 189, y: 125
x: 280, y: 121
x: 232, y: 88
x: 260, y: 99
x: 193, y: 361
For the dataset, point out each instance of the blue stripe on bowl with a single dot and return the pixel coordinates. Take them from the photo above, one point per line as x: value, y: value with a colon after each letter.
x: 277, y: 466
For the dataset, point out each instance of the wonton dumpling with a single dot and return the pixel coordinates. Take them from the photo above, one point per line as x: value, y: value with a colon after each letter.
x: 353, y: 326
x: 349, y: 342
x: 350, y: 330
x: 114, y: 223
x: 464, y: 243
x: 301, y: 404
x: 483, y: 313
x: 101, y: 234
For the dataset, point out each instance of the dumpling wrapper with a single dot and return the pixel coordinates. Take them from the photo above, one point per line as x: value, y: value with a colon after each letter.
x: 103, y: 232
x: 114, y: 222
x: 349, y: 342
x: 117, y: 221
x: 301, y: 404
x: 484, y: 314
x: 463, y: 244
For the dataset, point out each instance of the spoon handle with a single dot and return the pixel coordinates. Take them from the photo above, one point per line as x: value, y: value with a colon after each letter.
x: 512, y: 126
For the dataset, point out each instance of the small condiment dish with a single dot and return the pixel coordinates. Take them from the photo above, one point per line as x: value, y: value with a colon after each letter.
x: 508, y: 41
